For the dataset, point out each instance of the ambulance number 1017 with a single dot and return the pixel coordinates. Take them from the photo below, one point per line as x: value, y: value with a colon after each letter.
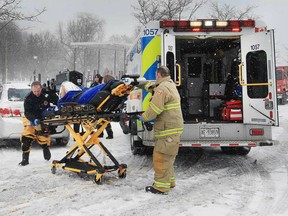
x: 150, y: 32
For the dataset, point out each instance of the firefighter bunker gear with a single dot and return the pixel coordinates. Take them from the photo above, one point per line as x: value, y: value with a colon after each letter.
x: 165, y: 109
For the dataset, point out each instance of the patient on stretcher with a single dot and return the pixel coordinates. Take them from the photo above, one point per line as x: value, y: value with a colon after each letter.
x: 102, y: 101
x: 102, y: 96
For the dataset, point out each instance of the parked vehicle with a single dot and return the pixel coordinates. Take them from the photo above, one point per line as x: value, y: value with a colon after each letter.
x: 12, y: 97
x: 225, y: 73
x: 282, y: 84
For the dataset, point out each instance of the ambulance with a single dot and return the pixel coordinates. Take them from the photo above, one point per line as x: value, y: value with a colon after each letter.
x: 225, y: 75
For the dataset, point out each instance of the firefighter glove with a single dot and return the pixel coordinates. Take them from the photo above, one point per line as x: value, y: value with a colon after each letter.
x: 34, y: 123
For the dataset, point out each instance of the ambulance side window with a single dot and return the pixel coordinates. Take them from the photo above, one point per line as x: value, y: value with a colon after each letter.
x: 257, y: 73
x: 170, y: 63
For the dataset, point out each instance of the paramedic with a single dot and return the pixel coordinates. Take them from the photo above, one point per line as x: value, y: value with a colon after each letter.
x: 34, y: 104
x: 165, y: 109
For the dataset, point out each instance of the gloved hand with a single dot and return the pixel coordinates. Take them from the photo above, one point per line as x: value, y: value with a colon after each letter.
x: 127, y: 81
x: 148, y: 125
x: 35, y: 123
x: 140, y: 118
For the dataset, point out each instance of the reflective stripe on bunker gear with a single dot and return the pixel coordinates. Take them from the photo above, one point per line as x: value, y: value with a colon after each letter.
x: 172, y: 106
x: 158, y: 110
x: 155, y: 108
x: 168, y: 132
x: 162, y: 184
x: 172, y: 179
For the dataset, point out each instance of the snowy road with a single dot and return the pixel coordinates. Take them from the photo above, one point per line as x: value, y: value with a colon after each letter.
x: 208, y: 183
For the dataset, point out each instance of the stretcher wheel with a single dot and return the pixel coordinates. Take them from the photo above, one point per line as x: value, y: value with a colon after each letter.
x: 53, y: 170
x: 99, y: 181
x: 123, y: 175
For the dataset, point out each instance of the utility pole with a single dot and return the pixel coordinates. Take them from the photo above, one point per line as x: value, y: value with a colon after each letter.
x: 74, y: 62
x: 115, y: 58
x: 6, y: 61
x: 99, y: 58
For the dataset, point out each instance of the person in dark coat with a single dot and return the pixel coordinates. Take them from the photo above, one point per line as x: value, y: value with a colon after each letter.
x: 97, y: 81
x: 34, y: 104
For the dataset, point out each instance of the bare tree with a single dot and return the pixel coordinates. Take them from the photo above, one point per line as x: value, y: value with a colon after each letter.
x: 10, y: 49
x: 84, y: 28
x: 10, y: 10
x: 42, y: 49
x: 227, y: 11
x: 148, y: 10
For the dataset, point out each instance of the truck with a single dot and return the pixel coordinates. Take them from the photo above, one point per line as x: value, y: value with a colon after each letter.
x: 282, y: 84
x: 225, y: 75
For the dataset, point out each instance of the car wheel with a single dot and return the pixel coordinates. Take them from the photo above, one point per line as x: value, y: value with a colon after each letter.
x: 137, y: 147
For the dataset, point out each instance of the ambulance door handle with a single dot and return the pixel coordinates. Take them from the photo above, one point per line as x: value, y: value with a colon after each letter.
x: 241, y: 81
x: 178, y: 69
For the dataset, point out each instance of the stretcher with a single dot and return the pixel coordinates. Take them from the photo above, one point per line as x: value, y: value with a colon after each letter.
x: 94, y: 118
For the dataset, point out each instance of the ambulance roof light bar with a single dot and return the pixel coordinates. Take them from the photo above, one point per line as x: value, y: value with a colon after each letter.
x: 207, y: 25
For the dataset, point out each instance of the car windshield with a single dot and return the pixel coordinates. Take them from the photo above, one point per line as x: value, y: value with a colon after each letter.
x: 17, y: 94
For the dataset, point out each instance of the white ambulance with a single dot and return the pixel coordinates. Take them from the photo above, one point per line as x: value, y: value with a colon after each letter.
x: 225, y: 74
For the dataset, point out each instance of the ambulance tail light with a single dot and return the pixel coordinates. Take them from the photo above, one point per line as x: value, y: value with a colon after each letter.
x: 207, y: 25
x: 8, y: 112
x: 256, y: 132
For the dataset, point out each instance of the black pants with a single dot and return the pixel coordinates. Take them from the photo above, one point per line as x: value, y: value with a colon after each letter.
x: 108, y: 130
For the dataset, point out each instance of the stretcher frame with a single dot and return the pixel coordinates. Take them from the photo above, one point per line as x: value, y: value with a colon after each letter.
x: 94, y: 120
x: 73, y: 160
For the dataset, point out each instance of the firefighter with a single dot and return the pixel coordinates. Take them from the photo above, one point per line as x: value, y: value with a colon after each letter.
x: 34, y: 104
x: 165, y: 109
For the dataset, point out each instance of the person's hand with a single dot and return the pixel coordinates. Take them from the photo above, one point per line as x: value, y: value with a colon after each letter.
x: 35, y: 122
x: 140, y: 118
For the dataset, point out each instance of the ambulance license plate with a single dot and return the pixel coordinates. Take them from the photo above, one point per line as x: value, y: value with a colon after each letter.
x: 209, y: 132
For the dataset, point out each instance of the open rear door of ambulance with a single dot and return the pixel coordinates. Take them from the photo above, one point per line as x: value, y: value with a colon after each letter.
x: 257, y: 78
x: 169, y: 56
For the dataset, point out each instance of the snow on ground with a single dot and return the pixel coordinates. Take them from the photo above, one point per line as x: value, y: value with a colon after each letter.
x: 208, y: 182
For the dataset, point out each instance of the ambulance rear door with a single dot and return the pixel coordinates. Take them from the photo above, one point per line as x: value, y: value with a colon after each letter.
x: 169, y: 54
x: 257, y: 78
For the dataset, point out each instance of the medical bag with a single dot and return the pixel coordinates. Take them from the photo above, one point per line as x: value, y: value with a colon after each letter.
x: 232, y: 111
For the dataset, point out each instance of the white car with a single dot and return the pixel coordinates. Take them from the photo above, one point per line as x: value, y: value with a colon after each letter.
x: 12, y: 97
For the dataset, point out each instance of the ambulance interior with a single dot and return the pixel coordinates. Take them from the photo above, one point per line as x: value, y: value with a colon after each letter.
x: 209, y: 76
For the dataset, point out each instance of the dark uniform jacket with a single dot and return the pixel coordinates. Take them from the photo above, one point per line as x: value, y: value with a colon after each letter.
x: 34, y: 106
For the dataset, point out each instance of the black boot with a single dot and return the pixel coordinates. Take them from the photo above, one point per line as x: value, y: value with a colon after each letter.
x: 46, y: 152
x: 109, y: 137
x: 25, y: 159
x: 153, y: 190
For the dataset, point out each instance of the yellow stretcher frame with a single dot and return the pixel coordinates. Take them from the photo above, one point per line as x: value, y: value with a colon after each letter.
x: 73, y: 160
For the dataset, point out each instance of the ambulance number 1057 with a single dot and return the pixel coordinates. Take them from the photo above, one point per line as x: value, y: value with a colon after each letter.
x: 150, y: 32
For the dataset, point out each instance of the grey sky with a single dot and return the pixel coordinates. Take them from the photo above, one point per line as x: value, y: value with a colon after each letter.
x: 119, y: 19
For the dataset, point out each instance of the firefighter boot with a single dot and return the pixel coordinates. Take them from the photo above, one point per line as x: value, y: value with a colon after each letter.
x: 25, y: 159
x: 153, y: 190
x: 46, y: 152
